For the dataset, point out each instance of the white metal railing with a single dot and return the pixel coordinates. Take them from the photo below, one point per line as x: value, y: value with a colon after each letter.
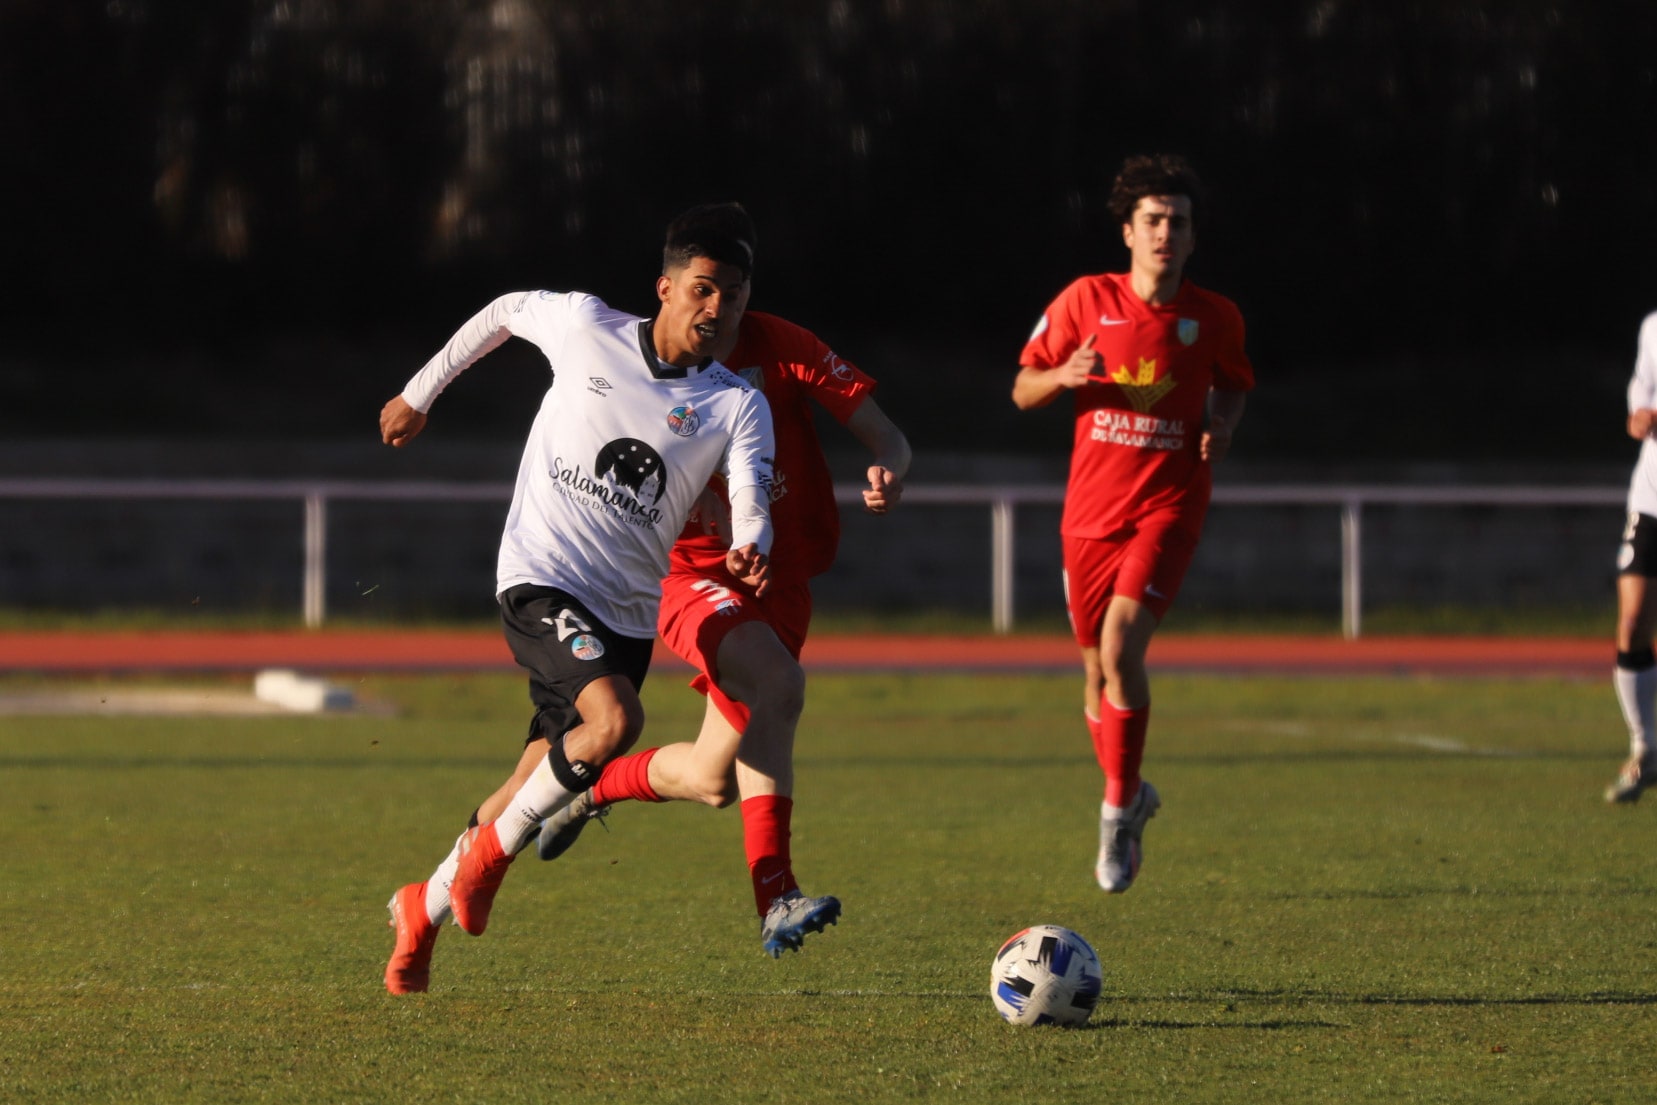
x: 1002, y: 500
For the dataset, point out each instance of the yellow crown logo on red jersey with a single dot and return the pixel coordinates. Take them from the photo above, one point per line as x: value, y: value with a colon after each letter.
x: 1143, y: 390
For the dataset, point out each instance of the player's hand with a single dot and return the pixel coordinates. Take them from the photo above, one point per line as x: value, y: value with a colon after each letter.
x: 750, y: 566
x: 1216, y: 440
x: 400, y: 423
x: 1082, y: 366
x: 1641, y: 422
x: 883, y: 492
x: 713, y: 514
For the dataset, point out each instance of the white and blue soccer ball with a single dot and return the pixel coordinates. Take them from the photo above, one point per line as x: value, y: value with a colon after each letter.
x: 1046, y: 974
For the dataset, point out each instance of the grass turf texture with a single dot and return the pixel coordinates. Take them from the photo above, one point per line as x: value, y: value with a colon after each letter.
x: 1357, y: 890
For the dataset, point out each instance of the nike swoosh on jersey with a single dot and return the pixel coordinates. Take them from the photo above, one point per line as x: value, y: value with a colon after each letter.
x: 1106, y: 320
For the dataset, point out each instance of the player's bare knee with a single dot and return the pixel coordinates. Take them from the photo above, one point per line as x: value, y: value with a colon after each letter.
x: 609, y: 733
x: 778, y: 691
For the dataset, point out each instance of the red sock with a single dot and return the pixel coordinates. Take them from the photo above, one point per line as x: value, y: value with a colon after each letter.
x: 628, y: 777
x: 765, y: 834
x: 1119, y: 742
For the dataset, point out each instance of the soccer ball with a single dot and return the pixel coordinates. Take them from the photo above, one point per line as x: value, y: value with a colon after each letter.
x: 1045, y: 975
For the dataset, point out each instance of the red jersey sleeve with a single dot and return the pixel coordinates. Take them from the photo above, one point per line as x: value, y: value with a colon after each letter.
x: 1233, y: 371
x: 1057, y: 332
x: 791, y: 351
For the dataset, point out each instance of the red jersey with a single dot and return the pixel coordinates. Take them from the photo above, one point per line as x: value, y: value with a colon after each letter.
x: 1139, y: 428
x: 793, y: 368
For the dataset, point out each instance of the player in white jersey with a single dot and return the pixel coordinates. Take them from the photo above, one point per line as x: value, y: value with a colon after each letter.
x: 638, y: 418
x: 1636, y: 673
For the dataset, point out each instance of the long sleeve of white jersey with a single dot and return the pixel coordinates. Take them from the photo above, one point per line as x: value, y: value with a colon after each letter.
x: 485, y: 331
x: 1642, y: 393
x: 751, y: 518
x: 1642, y: 386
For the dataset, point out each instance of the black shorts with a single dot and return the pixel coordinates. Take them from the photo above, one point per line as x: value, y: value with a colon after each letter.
x: 564, y: 647
x: 1638, y: 554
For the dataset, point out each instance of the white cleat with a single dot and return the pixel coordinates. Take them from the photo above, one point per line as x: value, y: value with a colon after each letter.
x: 1632, y: 780
x: 1120, y: 851
x: 791, y: 917
x: 560, y: 830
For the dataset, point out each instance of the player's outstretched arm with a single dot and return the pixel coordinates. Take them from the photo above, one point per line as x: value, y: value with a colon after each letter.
x: 402, y: 419
x: 891, y: 452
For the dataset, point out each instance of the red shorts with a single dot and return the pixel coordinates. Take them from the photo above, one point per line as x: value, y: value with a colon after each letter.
x: 699, y: 610
x: 1145, y: 562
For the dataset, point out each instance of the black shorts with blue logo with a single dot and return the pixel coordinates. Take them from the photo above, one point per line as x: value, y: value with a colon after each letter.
x: 564, y: 647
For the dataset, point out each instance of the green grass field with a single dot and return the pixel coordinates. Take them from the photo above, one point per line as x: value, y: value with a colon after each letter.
x: 1358, y: 890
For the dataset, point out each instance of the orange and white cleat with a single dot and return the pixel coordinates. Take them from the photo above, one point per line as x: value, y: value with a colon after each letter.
x: 409, y: 971
x: 478, y: 878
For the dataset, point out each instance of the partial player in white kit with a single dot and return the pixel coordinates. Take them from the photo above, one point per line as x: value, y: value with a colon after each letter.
x: 1635, y: 677
x: 637, y: 420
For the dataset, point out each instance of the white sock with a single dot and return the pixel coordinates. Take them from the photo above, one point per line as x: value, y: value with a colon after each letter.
x: 540, y: 797
x: 437, y: 886
x: 1637, y: 694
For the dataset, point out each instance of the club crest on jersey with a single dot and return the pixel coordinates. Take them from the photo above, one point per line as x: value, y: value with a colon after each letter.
x: 840, y: 369
x: 684, y: 421
x: 1187, y: 331
x: 586, y: 647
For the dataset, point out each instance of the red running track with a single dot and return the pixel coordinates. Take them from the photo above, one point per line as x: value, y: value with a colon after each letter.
x: 484, y: 650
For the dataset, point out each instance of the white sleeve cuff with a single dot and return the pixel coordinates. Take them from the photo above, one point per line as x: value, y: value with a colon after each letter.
x: 751, y: 518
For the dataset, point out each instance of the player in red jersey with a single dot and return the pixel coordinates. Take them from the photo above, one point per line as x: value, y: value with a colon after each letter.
x: 1158, y: 372
x: 745, y: 644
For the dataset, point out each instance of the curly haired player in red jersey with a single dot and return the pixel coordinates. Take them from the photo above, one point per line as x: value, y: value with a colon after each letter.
x: 1158, y: 373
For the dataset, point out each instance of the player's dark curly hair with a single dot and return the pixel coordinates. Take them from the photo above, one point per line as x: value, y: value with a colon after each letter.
x: 1162, y: 174
x: 722, y: 232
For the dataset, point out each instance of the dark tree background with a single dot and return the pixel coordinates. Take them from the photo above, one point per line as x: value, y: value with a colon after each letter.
x: 255, y: 218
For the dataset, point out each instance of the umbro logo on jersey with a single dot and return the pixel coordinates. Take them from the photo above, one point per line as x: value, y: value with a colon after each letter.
x: 600, y: 385
x: 1106, y: 320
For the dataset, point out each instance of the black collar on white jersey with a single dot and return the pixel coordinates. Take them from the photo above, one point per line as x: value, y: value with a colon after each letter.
x: 658, y: 367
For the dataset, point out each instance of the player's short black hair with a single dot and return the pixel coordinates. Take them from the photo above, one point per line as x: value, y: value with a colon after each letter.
x: 722, y: 232
x: 1163, y: 174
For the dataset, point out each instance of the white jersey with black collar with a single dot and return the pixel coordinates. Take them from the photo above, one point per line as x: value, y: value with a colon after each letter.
x: 622, y: 446
x: 1642, y: 392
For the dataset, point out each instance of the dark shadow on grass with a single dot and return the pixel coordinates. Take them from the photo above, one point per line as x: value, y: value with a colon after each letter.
x: 1252, y: 1026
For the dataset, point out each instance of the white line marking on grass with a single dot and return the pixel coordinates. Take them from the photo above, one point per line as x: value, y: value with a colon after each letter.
x: 1450, y: 746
